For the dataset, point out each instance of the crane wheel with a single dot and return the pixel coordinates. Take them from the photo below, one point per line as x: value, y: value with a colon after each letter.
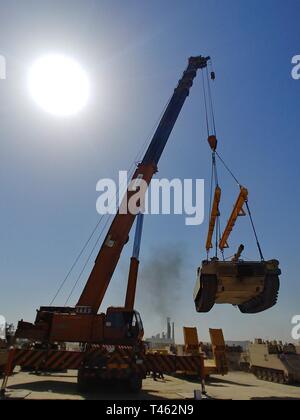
x: 206, y: 295
x: 266, y: 300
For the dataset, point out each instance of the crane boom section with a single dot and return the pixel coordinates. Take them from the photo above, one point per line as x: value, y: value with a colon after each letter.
x: 108, y: 257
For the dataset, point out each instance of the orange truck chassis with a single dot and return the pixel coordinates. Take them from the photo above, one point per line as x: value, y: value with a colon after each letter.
x: 105, y: 362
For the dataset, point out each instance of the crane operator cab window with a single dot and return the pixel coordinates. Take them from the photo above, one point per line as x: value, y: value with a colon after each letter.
x: 137, y: 325
x: 127, y: 324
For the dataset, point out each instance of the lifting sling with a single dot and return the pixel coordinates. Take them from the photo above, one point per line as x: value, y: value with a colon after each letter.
x: 237, y: 211
x: 215, y: 213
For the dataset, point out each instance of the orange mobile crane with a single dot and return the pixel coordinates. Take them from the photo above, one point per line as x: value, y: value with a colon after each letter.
x: 114, y: 339
x: 118, y: 326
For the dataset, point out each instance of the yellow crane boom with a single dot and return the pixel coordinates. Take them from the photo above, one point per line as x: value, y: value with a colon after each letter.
x: 236, y: 212
x: 215, y: 213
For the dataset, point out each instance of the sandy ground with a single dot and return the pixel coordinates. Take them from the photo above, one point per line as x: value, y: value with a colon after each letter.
x: 235, y: 386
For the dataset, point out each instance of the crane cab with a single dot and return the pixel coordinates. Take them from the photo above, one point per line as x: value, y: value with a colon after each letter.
x: 56, y: 324
x: 123, y: 326
x: 252, y: 286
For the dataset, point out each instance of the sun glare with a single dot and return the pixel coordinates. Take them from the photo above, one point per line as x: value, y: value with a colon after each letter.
x: 59, y: 85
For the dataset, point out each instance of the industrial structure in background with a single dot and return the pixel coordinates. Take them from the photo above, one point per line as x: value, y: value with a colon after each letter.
x: 214, y: 353
x: 163, y: 340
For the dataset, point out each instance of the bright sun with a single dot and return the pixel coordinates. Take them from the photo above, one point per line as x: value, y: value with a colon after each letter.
x: 59, y: 85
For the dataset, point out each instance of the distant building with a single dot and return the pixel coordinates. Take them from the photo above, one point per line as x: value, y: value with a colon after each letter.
x: 163, y: 340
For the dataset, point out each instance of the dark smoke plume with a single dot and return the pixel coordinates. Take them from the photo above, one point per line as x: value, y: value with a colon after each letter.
x: 161, y: 282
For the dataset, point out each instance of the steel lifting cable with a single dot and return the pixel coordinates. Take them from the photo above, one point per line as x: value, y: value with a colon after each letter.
x: 214, y: 163
x: 255, y: 233
x: 214, y: 177
x: 97, y: 242
x: 76, y: 261
x: 211, y: 103
x: 215, y: 169
x: 228, y: 169
x: 205, y: 104
x: 211, y: 129
x: 220, y: 237
x: 247, y: 205
x: 214, y: 154
x: 80, y: 255
x: 208, y: 133
x: 86, y: 262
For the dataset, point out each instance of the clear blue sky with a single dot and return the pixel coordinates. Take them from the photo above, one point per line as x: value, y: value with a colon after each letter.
x: 134, y: 52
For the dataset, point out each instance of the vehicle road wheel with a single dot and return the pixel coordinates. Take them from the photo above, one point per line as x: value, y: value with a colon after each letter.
x: 265, y: 375
x: 266, y: 300
x: 259, y: 374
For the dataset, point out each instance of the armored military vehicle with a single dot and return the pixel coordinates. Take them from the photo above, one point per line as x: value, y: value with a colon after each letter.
x: 252, y: 286
x: 274, y: 362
